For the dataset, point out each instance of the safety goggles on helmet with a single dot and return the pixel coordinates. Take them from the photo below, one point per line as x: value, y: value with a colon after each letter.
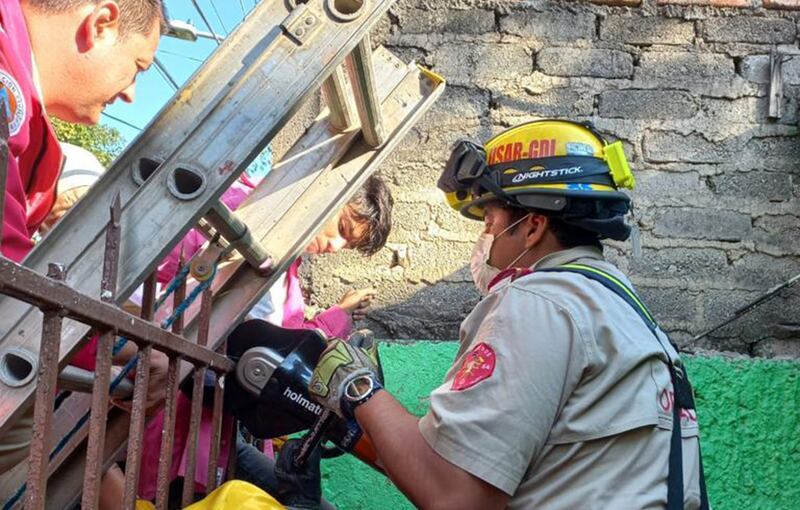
x: 467, y: 163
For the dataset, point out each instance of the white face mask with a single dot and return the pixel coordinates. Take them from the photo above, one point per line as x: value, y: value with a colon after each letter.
x: 482, y: 272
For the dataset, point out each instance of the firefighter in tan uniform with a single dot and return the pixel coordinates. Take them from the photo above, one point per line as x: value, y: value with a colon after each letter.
x: 564, y: 392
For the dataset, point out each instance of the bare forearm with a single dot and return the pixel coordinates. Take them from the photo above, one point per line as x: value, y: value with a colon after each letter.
x: 426, y: 478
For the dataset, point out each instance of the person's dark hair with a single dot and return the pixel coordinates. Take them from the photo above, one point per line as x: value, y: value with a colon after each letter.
x: 569, y: 236
x: 136, y: 16
x: 371, y: 206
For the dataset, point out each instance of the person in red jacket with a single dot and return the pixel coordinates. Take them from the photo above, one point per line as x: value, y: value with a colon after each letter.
x: 69, y: 59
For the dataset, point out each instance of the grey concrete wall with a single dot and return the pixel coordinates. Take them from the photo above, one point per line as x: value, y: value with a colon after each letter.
x: 718, y: 186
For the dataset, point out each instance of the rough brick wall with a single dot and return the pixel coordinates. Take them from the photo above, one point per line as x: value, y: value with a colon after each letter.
x: 683, y: 83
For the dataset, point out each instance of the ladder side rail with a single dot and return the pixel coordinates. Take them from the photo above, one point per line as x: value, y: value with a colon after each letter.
x: 272, y: 92
x: 161, y: 137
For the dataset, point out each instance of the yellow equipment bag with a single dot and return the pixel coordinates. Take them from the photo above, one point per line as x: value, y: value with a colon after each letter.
x: 237, y: 495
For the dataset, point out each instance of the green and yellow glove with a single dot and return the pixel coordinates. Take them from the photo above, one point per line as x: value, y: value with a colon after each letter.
x: 347, y: 375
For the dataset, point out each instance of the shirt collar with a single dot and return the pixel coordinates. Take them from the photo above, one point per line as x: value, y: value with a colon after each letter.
x: 505, y: 277
x: 562, y: 257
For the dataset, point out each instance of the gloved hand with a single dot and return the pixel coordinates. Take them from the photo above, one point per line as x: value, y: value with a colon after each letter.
x: 298, y: 487
x: 341, y: 364
x: 365, y: 339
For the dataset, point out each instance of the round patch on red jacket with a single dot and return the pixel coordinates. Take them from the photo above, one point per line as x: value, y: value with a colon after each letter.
x: 477, y: 366
x: 12, y: 102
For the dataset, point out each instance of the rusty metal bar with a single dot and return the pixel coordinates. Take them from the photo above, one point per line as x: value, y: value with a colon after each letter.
x: 39, y: 457
x: 167, y: 436
x: 139, y: 408
x: 231, y: 468
x: 136, y: 431
x: 26, y: 285
x: 191, y: 443
x: 197, y: 401
x: 216, y: 429
x: 168, y: 427
x: 149, y: 297
x: 99, y: 413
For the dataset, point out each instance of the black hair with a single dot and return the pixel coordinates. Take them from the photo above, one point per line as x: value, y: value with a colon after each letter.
x: 371, y: 206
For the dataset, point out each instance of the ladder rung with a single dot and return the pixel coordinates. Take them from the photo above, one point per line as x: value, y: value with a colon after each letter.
x: 339, y: 102
x: 238, y: 235
x: 80, y: 380
x: 362, y: 76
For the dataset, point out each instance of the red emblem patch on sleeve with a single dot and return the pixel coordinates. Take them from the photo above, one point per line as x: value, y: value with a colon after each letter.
x: 477, y: 366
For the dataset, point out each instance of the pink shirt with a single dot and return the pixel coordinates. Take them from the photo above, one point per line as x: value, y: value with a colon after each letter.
x: 35, y: 157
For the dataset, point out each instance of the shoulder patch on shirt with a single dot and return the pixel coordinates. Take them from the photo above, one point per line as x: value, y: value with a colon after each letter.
x: 477, y: 366
x: 12, y: 101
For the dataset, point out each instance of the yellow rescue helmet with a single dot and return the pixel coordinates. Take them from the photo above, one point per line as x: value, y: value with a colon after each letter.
x: 556, y: 167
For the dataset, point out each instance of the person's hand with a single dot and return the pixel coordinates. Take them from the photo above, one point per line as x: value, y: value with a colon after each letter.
x: 339, y: 365
x: 357, y: 302
x: 157, y: 386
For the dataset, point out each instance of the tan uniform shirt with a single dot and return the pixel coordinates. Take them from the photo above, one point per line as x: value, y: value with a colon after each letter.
x: 559, y: 396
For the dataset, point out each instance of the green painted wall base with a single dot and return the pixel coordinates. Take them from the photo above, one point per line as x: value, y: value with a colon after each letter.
x: 749, y: 412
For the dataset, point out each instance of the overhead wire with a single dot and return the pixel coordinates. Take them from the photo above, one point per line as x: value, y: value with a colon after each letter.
x: 176, y: 54
x: 241, y: 5
x: 214, y: 8
x: 121, y: 121
x: 205, y: 20
x: 161, y: 68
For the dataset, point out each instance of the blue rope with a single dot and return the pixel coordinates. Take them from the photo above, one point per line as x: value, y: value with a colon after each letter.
x: 165, y: 324
x: 173, y: 285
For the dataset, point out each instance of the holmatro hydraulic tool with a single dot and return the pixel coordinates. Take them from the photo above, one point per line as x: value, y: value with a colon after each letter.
x: 269, y: 394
